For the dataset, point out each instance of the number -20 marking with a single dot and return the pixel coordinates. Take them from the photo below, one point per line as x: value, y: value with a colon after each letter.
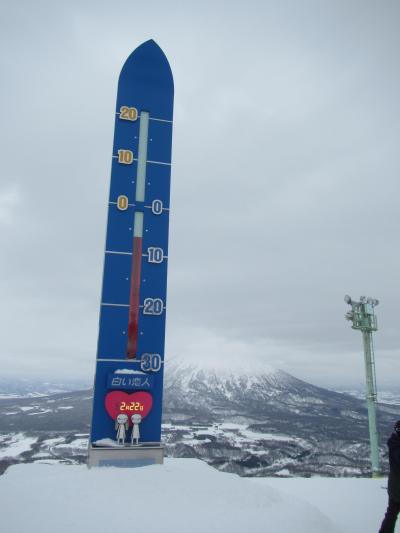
x: 153, y: 306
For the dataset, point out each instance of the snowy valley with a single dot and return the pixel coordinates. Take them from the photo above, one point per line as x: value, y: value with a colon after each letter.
x: 250, y: 421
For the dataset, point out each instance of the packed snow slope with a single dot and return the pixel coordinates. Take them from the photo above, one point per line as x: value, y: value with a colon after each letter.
x: 180, y: 496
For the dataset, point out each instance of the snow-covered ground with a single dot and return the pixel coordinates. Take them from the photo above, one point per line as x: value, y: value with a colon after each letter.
x: 15, y: 444
x: 389, y: 396
x: 354, y: 504
x: 180, y: 496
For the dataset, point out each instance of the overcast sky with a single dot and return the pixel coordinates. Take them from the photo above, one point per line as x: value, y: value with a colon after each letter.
x: 285, y: 179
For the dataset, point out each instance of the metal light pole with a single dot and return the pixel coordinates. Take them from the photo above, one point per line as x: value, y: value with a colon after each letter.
x: 363, y: 317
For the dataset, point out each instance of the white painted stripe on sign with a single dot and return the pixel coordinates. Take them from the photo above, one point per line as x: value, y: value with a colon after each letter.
x: 161, y: 120
x: 164, y: 208
x: 164, y: 256
x: 116, y: 203
x: 115, y: 305
x: 155, y: 162
x: 159, y: 163
x: 122, y: 360
x: 152, y: 118
x: 120, y: 253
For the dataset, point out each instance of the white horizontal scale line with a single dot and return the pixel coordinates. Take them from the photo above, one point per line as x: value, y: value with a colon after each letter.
x: 149, y: 207
x: 121, y: 253
x: 151, y: 118
x: 134, y: 205
x: 161, y: 120
x: 122, y: 359
x: 130, y: 205
x: 159, y: 163
x: 116, y: 305
x: 164, y: 257
x: 154, y: 162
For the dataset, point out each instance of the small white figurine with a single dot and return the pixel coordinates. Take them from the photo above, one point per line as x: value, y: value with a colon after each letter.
x: 121, y: 425
x: 135, y: 436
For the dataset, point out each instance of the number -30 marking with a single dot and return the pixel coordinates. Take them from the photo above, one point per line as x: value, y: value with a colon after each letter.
x: 150, y: 362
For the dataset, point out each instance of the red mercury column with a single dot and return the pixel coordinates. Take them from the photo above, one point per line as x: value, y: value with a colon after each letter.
x: 134, y: 299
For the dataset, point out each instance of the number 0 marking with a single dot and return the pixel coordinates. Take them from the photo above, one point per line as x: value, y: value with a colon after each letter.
x: 125, y: 157
x: 122, y: 202
x: 128, y: 113
x: 153, y: 306
x: 157, y: 207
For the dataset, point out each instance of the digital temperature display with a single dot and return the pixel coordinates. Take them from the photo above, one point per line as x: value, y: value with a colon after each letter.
x: 133, y: 303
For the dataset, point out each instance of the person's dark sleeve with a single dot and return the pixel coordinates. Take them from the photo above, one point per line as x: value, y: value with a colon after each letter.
x: 395, y: 459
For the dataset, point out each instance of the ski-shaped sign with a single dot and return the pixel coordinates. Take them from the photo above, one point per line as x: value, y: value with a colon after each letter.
x: 127, y: 405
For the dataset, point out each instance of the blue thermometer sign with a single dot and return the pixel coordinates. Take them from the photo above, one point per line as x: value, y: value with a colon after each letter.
x: 133, y: 302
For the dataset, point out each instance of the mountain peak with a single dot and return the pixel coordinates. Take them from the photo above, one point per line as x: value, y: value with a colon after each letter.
x: 234, y: 367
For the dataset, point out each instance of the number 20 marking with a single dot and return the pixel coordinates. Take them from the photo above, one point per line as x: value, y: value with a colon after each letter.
x: 153, y: 306
x: 128, y: 113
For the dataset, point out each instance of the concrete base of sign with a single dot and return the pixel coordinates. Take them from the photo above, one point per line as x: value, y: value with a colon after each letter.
x: 126, y: 457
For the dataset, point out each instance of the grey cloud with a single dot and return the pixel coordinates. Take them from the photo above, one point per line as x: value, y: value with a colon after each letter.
x: 285, y: 177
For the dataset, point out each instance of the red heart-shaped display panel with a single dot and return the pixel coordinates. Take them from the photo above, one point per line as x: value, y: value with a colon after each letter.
x: 121, y: 402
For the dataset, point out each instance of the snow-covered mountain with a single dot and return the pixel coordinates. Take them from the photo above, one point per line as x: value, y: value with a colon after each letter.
x: 248, y: 419
x: 259, y: 421
x: 208, y: 391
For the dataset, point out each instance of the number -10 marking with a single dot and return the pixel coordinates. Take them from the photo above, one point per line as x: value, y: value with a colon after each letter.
x: 155, y: 255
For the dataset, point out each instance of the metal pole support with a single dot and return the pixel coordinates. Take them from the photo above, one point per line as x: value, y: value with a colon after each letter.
x: 371, y: 401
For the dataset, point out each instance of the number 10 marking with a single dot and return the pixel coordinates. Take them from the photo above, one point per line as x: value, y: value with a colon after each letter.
x: 125, y: 157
